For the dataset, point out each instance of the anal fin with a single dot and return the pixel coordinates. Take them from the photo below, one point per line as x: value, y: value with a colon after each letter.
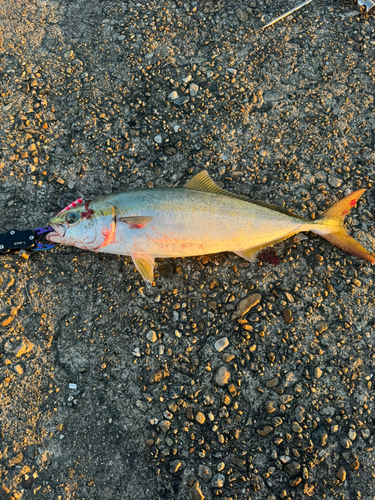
x: 251, y: 253
x: 145, y: 265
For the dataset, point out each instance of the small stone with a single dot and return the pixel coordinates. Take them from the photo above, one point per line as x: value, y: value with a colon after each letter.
x: 173, y: 95
x: 200, y: 418
x: 354, y: 465
x: 365, y: 433
x: 72, y: 387
x: 7, y: 107
x: 193, y: 89
x: 287, y: 313
x: 176, y: 128
x: 292, y: 468
x: 25, y: 347
x: 352, y: 434
x: 181, y: 100
x: 341, y: 474
x: 270, y: 407
x: 300, y: 411
x: 222, y: 376
x: 69, y: 54
x: 18, y: 369
x: 151, y: 336
x: 226, y: 357
x: 141, y: 405
x: 158, y: 376
x: 296, y: 427
x: 195, y: 492
x: 204, y: 472
x: 318, y: 372
x: 271, y: 357
x: 187, y: 79
x: 239, y: 462
x: 149, y: 442
x: 246, y: 304
x: 218, y: 481
x: 319, y: 436
x: 17, y: 459
x: 290, y: 379
x: 242, y: 16
x: 174, y: 466
x: 265, y: 431
x: 273, y: 382
x: 189, y: 413
x: 221, y: 344
x: 273, y: 95
x: 345, y: 442
x: 165, y: 425
x: 334, y: 182
x: 170, y: 151
x: 158, y: 139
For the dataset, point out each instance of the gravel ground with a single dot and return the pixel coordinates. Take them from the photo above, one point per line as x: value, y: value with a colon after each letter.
x: 226, y: 379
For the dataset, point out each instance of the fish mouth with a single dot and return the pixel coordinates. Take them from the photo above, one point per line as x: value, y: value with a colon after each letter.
x: 59, y: 232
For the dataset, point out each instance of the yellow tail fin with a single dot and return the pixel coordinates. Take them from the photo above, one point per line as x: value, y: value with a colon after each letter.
x: 332, y: 227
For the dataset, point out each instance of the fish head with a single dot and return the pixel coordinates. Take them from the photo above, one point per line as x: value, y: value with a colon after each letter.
x: 75, y: 227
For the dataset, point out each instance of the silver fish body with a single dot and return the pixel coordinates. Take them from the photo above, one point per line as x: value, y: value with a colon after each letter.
x: 198, y: 219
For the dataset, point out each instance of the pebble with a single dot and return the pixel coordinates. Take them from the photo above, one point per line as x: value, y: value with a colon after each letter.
x: 354, y: 465
x: 318, y: 372
x: 173, y: 95
x: 73, y: 387
x: 292, y: 468
x: 345, y: 442
x: 165, y: 425
x: 7, y: 107
x: 69, y: 54
x: 246, y: 304
x: 158, y: 139
x: 218, y: 481
x: 352, y: 434
x: 18, y: 369
x: 341, y: 474
x: 242, y: 16
x: 195, y: 492
x: 204, y: 472
x: 270, y: 407
x: 273, y: 382
x: 193, y: 89
x: 273, y: 95
x: 174, y: 466
x: 221, y: 344
x: 181, y: 100
x: 176, y: 128
x: 287, y: 313
x: 151, y: 336
x: 265, y: 431
x: 290, y: 379
x: 222, y: 376
x: 17, y: 459
x: 365, y: 433
x: 200, y: 418
x: 296, y: 427
x: 187, y: 79
x: 319, y: 436
x: 334, y: 182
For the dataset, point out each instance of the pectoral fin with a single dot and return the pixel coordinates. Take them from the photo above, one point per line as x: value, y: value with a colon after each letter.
x: 137, y: 221
x: 145, y: 265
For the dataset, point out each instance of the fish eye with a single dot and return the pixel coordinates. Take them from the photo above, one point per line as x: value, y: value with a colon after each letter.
x: 72, y: 217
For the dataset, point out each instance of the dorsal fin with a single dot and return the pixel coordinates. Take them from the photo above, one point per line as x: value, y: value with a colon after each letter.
x: 203, y: 182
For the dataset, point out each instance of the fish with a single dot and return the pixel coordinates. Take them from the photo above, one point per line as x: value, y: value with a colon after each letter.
x: 199, y: 218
